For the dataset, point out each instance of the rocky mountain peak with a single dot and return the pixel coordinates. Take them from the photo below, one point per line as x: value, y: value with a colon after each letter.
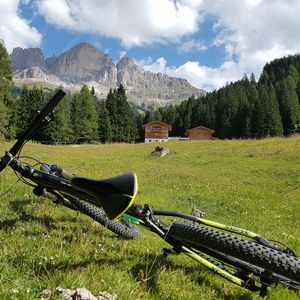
x: 124, y: 62
x: 83, y: 63
x: 127, y: 70
x: 82, y: 50
x: 26, y: 58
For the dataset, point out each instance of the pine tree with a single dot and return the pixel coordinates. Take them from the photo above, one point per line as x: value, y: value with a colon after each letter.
x: 157, y: 116
x: 23, y: 111
x: 273, y: 114
x: 226, y: 111
x: 252, y: 79
x: 6, y: 99
x: 104, y: 125
x: 60, y: 130
x: 125, y: 120
x: 28, y: 104
x: 266, y: 114
x: 111, y: 105
x: 3, y: 120
x: 241, y: 121
x: 242, y: 124
x: 139, y: 123
x: 289, y: 104
x: 148, y: 117
x: 257, y: 120
x: 252, y: 96
x: 186, y: 123
x: 84, y: 116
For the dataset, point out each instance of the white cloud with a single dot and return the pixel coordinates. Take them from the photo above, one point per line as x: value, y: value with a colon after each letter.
x: 135, y: 23
x: 252, y: 33
x: 159, y: 66
x: 255, y: 31
x: 15, y: 30
x: 199, y: 76
x: 253, y: 2
x: 58, y: 12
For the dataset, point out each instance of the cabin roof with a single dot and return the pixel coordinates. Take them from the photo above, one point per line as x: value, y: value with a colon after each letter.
x: 202, y: 128
x: 157, y: 122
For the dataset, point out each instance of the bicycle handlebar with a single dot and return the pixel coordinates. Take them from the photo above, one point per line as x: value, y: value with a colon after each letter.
x: 35, y: 125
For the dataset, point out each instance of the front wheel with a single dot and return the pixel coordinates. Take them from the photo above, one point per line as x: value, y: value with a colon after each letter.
x: 245, y: 250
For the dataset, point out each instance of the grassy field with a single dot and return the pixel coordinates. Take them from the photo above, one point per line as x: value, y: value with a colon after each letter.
x: 250, y: 184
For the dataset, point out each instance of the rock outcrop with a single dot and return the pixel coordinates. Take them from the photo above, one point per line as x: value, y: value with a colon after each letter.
x: 25, y: 58
x: 84, y: 64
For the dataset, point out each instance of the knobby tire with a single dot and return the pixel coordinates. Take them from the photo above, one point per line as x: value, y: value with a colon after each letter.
x: 245, y: 250
x: 122, y: 228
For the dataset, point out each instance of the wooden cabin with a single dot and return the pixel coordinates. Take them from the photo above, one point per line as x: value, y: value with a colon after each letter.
x: 156, y: 131
x: 200, y: 133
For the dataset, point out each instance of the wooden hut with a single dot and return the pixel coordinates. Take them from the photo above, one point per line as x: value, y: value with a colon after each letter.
x: 156, y: 131
x: 200, y: 133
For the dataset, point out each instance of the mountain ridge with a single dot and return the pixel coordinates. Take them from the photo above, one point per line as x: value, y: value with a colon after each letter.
x: 84, y: 64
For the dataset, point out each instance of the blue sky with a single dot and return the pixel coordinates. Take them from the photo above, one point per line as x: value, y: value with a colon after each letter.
x: 207, y: 42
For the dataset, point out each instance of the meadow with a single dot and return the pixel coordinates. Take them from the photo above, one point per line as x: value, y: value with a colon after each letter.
x: 252, y: 184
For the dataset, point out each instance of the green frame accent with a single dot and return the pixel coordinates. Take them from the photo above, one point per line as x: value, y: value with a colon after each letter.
x: 213, y: 267
x: 229, y: 228
x: 204, y: 260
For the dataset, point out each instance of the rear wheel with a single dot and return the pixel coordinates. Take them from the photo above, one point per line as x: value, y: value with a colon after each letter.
x: 123, y: 228
x: 245, y: 250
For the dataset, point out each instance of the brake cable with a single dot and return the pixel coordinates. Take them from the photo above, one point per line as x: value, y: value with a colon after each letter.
x: 10, y: 188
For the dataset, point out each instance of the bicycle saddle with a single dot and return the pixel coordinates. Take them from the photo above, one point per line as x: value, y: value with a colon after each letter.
x: 115, y: 194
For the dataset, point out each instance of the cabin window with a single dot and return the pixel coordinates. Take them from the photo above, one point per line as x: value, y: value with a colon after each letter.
x: 156, y: 127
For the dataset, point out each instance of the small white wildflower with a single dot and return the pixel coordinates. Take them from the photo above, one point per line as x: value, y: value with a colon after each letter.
x: 15, y: 290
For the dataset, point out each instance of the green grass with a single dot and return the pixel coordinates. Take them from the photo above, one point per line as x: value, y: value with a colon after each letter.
x: 250, y: 184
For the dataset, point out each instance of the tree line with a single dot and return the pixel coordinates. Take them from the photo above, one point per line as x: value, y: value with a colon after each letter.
x: 78, y: 118
x: 243, y: 109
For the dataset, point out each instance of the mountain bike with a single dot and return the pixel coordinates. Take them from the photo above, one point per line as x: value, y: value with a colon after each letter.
x: 241, y: 256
